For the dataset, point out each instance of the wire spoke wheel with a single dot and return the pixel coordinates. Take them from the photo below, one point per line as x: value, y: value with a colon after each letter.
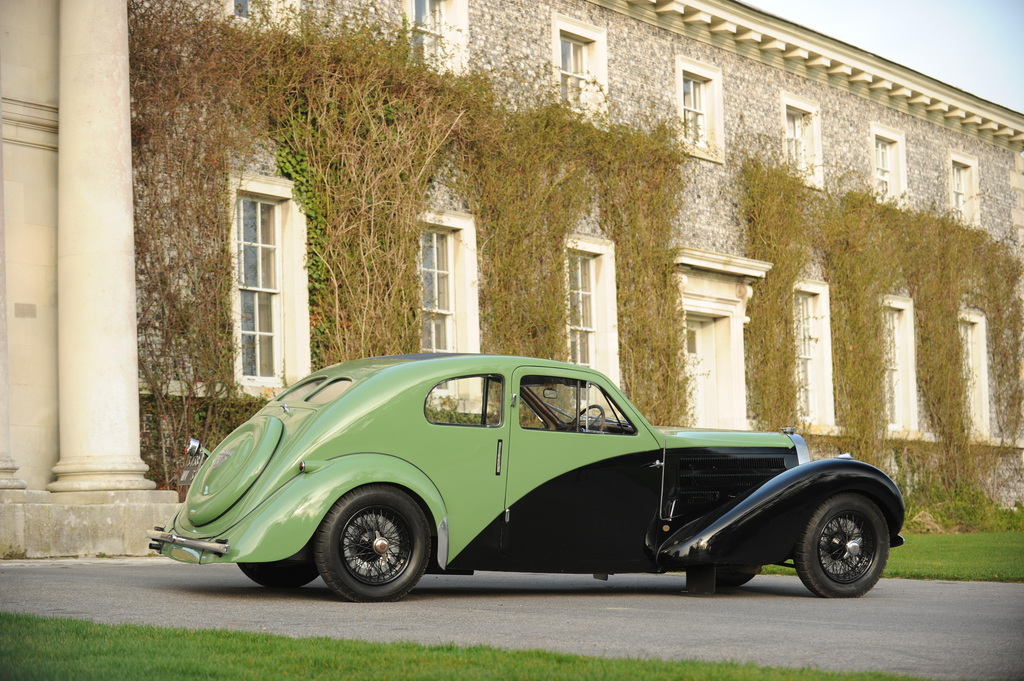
x: 844, y: 548
x: 376, y: 545
x: 373, y: 545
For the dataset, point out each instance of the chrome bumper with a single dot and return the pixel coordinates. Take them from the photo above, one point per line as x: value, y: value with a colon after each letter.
x: 160, y: 538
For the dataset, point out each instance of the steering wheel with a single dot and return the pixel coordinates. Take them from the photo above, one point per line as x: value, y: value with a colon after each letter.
x: 591, y: 420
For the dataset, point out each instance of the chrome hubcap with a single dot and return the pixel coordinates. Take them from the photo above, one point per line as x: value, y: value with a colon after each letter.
x: 380, y: 545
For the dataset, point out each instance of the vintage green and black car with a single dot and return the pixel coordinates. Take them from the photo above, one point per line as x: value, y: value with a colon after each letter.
x: 369, y: 473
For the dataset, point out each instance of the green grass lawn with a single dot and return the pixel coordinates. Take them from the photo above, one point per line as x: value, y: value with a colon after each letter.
x: 38, y: 649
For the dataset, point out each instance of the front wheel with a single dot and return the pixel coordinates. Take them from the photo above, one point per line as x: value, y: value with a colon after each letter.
x: 373, y: 545
x: 843, y: 550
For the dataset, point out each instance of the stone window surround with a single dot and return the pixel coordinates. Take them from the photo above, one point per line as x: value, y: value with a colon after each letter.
x: 972, y: 192
x: 291, y: 348
x: 822, y: 417
x: 596, y: 55
x: 465, y: 276
x: 898, y: 160
x: 974, y: 330
x: 716, y: 288
x: 907, y: 424
x: 605, y: 350
x: 812, y: 134
x: 713, y: 148
x: 454, y: 32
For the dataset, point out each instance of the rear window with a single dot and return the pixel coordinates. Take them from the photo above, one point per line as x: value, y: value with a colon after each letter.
x: 330, y: 391
x: 467, y: 401
x: 301, y: 391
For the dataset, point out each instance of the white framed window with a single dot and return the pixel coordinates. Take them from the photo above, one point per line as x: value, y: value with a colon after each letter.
x: 592, y: 315
x: 813, y: 333
x: 272, y: 300
x: 889, y: 164
x: 581, y: 308
x: 801, y: 120
x: 257, y: 237
x: 436, y: 257
x: 440, y: 32
x: 715, y: 289
x: 243, y: 9
x: 448, y: 269
x: 579, y: 53
x: 699, y: 88
x: 963, y: 187
x: 974, y: 339
x: 900, y: 365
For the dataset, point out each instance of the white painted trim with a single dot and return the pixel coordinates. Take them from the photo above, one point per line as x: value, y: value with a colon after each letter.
x: 899, y: 172
x: 978, y: 390
x: 291, y: 351
x: 713, y: 147
x: 907, y: 407
x: 972, y: 209
x: 823, y: 409
x: 605, y: 297
x: 462, y: 227
x: 814, y: 168
x: 596, y: 40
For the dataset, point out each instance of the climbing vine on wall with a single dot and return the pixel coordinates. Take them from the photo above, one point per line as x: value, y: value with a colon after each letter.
x: 775, y: 203
x: 866, y: 249
x: 365, y: 131
x: 639, y: 182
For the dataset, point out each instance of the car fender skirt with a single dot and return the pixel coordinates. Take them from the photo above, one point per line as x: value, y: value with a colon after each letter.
x: 762, y: 526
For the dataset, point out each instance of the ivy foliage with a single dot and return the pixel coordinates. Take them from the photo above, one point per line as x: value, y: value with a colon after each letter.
x: 367, y: 132
x: 868, y: 248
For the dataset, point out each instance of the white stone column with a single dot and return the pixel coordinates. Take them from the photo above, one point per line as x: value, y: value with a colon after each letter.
x: 8, y: 466
x: 97, y: 343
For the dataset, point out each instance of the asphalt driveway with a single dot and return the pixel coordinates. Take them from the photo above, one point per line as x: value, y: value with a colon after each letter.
x: 942, y: 630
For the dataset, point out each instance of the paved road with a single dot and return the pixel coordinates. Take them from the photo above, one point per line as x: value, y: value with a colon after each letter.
x: 942, y: 630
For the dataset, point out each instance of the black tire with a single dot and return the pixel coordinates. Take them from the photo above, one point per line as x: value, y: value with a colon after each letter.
x: 843, y: 550
x: 373, y: 545
x: 729, y: 579
x: 280, y: 575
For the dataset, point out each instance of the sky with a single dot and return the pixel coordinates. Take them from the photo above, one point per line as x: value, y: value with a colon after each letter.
x: 974, y: 45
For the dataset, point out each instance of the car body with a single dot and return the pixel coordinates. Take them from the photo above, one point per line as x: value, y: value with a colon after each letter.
x: 370, y: 472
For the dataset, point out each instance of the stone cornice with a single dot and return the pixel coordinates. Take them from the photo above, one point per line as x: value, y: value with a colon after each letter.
x: 772, y: 40
x: 722, y: 263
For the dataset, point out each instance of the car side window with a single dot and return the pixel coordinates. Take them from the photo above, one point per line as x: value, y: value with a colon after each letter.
x: 466, y: 401
x: 567, y: 404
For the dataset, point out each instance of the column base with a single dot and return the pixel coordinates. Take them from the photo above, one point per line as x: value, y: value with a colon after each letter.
x: 36, y: 524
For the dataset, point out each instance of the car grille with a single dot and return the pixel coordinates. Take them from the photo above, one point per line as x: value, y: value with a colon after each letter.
x: 709, y: 480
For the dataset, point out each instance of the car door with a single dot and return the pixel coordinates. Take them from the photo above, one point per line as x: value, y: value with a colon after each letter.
x: 467, y: 430
x: 583, y: 476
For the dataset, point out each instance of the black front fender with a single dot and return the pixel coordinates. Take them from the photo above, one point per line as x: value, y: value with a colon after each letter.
x: 762, y: 527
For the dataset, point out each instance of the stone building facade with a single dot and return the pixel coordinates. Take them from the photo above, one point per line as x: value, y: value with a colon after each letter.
x: 71, y: 479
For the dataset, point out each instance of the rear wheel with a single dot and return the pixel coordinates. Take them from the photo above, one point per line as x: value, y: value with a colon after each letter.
x: 843, y: 550
x: 373, y: 545
x: 280, y: 575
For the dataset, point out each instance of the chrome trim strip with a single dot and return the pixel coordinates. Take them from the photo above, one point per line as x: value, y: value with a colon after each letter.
x: 442, y: 543
x: 175, y: 540
x: 803, y: 454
